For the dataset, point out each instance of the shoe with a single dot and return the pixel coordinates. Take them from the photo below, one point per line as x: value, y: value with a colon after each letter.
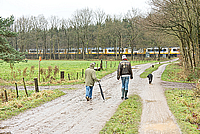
x: 122, y: 98
x: 126, y: 98
x: 87, y: 98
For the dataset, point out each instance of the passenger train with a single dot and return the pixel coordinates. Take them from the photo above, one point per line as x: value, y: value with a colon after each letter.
x: 111, y: 51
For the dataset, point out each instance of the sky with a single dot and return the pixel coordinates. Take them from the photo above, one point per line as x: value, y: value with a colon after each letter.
x: 66, y: 8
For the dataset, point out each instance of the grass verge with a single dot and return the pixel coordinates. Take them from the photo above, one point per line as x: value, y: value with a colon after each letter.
x: 150, y: 70
x: 126, y: 119
x: 16, y: 105
x: 175, y: 73
x: 185, y: 106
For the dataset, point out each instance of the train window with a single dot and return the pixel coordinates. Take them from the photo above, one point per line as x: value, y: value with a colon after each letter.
x: 156, y: 50
x: 149, y: 50
x: 164, y: 50
x: 73, y: 50
x: 93, y: 50
x: 120, y: 51
x: 32, y: 50
x: 174, y: 49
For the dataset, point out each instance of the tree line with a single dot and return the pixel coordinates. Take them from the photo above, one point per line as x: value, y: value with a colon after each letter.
x: 170, y: 23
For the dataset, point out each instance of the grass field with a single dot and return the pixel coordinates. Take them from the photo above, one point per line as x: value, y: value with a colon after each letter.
x: 50, y: 71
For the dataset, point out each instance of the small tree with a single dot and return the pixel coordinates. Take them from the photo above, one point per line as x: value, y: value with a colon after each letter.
x: 7, y: 52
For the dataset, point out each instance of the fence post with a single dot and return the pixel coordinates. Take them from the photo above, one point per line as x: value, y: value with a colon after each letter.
x: 82, y: 72
x: 6, y: 95
x: 77, y: 75
x: 68, y: 76
x: 101, y: 65
x: 62, y: 75
x: 97, y: 68
x: 25, y: 88
x: 16, y: 90
x: 106, y: 64
x: 36, y: 85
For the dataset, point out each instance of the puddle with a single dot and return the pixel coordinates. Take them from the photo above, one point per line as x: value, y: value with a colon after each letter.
x: 150, y: 101
x: 107, y: 98
x: 3, y: 127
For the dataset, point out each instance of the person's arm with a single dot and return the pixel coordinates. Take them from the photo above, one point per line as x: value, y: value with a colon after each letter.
x: 118, y: 72
x: 130, y: 70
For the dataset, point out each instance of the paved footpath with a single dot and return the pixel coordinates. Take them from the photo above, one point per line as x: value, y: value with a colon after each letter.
x: 156, y: 117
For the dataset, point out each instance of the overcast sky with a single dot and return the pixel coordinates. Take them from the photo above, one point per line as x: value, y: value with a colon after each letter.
x: 65, y: 8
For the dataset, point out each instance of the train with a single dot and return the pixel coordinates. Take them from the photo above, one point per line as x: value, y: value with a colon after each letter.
x: 109, y: 51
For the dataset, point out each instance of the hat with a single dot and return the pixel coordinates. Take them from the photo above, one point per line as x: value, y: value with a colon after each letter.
x: 92, y: 64
x: 124, y: 57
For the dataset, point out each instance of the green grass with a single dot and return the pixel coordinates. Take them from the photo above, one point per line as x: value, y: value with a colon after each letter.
x: 50, y: 71
x: 16, y: 105
x: 175, y: 73
x: 126, y: 119
x: 150, y: 70
x: 183, y: 105
x: 30, y: 71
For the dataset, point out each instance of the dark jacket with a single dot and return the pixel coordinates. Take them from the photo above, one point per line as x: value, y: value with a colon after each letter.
x: 90, y: 76
x: 124, y: 68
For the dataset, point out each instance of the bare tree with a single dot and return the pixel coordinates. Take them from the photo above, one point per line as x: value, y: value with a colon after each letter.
x: 100, y: 17
x: 178, y: 18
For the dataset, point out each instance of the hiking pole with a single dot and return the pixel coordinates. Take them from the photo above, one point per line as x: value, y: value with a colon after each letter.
x: 101, y: 91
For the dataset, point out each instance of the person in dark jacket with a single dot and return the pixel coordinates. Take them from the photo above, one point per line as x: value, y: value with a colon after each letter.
x: 150, y: 76
x: 90, y: 78
x: 125, y: 72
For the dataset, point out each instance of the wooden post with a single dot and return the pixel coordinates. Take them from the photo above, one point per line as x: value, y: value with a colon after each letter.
x: 40, y: 58
x: 16, y: 90
x: 68, y: 76
x: 36, y: 85
x: 97, y: 68
x: 6, y: 95
x: 101, y: 65
x: 62, y: 75
x: 25, y: 88
x: 82, y: 72
x: 77, y: 75
x: 106, y: 64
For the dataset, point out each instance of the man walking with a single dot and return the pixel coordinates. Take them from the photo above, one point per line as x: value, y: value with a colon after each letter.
x: 90, y: 78
x: 124, y: 70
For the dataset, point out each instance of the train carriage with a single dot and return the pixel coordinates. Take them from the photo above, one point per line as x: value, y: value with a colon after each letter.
x: 111, y: 51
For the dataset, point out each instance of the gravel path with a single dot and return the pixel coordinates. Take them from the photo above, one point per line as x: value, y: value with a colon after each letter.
x: 71, y: 113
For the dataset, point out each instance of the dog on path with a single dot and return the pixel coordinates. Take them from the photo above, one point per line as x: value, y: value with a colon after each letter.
x: 150, y: 76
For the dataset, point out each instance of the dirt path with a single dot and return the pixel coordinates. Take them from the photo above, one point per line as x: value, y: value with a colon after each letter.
x: 71, y: 113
